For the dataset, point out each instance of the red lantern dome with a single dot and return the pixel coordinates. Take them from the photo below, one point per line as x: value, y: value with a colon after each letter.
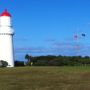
x: 5, y: 13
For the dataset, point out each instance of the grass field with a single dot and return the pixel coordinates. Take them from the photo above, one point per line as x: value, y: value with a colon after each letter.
x: 45, y: 78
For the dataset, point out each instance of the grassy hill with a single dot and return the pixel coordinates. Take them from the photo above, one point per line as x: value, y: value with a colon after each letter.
x: 45, y: 78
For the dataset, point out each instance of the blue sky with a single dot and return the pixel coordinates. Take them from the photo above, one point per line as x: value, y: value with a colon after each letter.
x: 48, y: 27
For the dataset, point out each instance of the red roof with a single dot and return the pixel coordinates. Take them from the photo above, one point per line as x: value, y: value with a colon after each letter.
x: 5, y: 13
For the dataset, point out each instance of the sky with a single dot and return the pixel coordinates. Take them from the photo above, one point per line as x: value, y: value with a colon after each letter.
x: 49, y: 27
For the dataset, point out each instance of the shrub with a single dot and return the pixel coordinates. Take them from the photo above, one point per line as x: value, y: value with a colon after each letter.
x: 3, y: 63
x: 19, y: 63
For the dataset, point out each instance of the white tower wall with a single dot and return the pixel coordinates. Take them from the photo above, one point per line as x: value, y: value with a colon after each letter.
x: 6, y: 49
x: 5, y: 21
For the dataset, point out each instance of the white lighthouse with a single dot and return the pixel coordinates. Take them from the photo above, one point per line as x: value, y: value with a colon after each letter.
x: 6, y: 39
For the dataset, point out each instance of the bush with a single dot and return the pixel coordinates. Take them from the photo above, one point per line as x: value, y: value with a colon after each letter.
x: 3, y: 63
x: 19, y: 63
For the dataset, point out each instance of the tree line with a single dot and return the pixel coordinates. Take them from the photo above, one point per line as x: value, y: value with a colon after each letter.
x: 52, y: 60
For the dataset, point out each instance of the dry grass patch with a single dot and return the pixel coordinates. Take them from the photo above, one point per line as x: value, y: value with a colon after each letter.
x: 45, y: 78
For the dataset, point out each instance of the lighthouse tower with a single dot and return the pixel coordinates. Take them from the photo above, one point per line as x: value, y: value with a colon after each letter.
x: 6, y: 39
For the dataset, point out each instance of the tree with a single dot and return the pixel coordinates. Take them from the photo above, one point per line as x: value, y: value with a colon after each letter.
x: 29, y: 59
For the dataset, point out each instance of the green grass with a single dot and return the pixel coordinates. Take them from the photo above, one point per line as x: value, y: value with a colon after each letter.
x: 45, y: 78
